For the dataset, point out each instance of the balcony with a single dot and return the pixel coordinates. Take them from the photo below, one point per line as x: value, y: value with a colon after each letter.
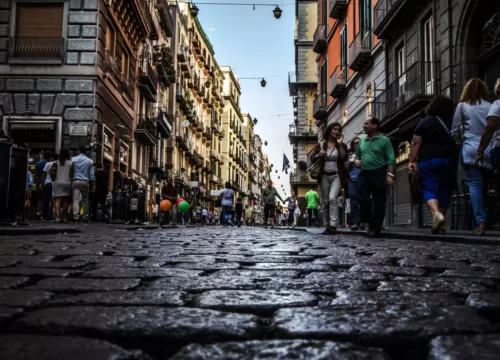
x: 302, y: 132
x: 386, y: 14
x: 164, y: 64
x: 338, y: 82
x: 146, y: 130
x: 338, y: 9
x: 319, y: 42
x: 301, y: 178
x: 181, y: 177
x: 180, y: 96
x: 34, y: 50
x: 319, y: 106
x: 127, y: 88
x: 111, y: 68
x: 208, y: 133
x: 360, y: 51
x: 148, y: 80
x: 166, y: 20
x: 164, y: 123
x: 303, y: 78
x: 181, y: 139
x: 181, y: 54
x: 409, y: 94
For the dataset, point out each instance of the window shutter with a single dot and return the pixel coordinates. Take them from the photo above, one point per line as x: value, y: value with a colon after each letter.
x: 39, y: 20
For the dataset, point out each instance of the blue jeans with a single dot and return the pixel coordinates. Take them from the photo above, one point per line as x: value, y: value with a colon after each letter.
x: 478, y: 179
x: 353, y: 196
x: 437, y: 178
x: 226, y: 214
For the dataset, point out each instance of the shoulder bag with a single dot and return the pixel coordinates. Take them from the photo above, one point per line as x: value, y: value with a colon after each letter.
x: 315, y: 168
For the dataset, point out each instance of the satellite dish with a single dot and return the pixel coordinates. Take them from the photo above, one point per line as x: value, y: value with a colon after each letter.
x: 185, y: 123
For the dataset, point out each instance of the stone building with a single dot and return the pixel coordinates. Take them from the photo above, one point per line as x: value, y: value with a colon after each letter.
x: 432, y: 47
x: 302, y: 85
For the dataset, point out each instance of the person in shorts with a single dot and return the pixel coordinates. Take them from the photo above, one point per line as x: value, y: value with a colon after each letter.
x: 269, y: 199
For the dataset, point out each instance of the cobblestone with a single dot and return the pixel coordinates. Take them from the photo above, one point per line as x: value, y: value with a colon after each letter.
x: 248, y: 293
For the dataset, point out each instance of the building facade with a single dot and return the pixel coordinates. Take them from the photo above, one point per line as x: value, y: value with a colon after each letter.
x: 432, y: 48
x: 302, y: 85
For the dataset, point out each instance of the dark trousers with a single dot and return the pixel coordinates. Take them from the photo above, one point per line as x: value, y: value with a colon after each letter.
x: 96, y: 200
x: 290, y: 216
x: 354, y: 199
x: 312, y: 216
x: 372, y: 192
x: 269, y: 210
x: 47, y: 202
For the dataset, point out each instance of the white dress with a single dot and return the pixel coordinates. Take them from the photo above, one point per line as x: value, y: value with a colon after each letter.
x: 62, y: 182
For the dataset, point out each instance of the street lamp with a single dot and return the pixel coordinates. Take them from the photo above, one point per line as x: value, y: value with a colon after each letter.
x: 255, y: 121
x: 277, y: 12
x: 263, y: 82
x: 194, y: 10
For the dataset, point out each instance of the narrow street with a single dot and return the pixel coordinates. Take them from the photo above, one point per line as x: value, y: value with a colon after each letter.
x: 245, y: 293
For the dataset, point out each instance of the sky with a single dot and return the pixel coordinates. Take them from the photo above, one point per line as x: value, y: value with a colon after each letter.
x: 257, y: 45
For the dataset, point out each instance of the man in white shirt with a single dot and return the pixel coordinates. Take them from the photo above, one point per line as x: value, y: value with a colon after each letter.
x: 46, y: 188
x: 83, y: 179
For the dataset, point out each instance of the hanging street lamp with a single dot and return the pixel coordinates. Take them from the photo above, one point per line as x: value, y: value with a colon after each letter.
x: 263, y: 82
x: 194, y: 10
x: 255, y: 121
x: 277, y: 12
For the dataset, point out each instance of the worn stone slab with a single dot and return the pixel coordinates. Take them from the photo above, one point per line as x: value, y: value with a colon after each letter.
x: 258, y: 301
x: 161, y: 297
x: 163, y: 329
x: 8, y: 313
x: 129, y: 272
x: 260, y: 274
x: 349, y: 261
x: 206, y: 266
x: 357, y: 299
x: 460, y: 287
x: 38, y: 272
x: 23, y: 298
x: 49, y: 85
x: 79, y: 85
x: 54, y: 264
x: 204, y: 283
x: 390, y: 270
x: 6, y: 263
x: 434, y: 264
x: 79, y: 285
x: 471, y: 274
x: 289, y: 266
x: 63, y: 347
x: 465, y: 347
x: 10, y: 282
x: 280, y: 350
x: 389, y: 325
x: 487, y: 303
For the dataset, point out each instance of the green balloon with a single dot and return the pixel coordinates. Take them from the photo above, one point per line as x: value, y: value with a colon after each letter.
x: 183, y: 207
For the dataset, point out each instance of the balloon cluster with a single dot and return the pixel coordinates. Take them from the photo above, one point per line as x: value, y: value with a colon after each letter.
x: 182, y: 205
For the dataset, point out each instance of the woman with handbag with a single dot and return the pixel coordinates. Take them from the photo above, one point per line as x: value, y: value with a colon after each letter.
x: 62, y: 172
x: 468, y: 125
x: 436, y: 151
x: 333, y: 175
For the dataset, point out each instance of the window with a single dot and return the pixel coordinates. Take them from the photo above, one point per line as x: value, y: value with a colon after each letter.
x: 39, y: 20
x: 343, y: 46
x: 428, y: 54
x: 400, y: 69
x: 110, y: 39
x: 365, y: 22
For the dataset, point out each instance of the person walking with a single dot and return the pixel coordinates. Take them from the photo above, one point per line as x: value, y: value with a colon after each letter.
x: 491, y: 132
x: 238, y: 211
x: 83, y: 181
x: 269, y: 199
x: 292, y: 204
x: 471, y: 115
x: 296, y: 215
x: 62, y: 173
x: 312, y: 199
x: 353, y: 188
x: 436, y: 152
x: 46, y: 188
x: 333, y: 175
x: 375, y: 156
x: 227, y: 202
x: 279, y: 214
x: 40, y: 165
x: 168, y: 192
x: 101, y: 191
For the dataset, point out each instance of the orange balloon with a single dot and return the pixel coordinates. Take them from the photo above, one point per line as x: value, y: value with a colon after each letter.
x: 165, y: 205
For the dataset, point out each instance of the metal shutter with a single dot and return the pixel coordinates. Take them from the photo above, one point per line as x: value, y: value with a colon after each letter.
x: 39, y: 20
x: 402, y: 197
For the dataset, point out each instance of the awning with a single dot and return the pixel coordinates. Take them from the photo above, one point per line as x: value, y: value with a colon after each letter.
x: 31, y: 125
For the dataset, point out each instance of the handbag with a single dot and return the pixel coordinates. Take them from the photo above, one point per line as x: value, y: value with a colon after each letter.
x: 314, y: 170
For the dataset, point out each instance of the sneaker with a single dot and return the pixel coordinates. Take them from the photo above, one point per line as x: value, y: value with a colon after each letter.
x: 480, y: 230
x: 355, y: 227
x: 58, y: 221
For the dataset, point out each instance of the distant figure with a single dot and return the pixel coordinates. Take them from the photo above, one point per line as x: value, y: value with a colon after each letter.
x: 83, y: 181
x: 63, y: 172
x: 101, y: 190
x: 46, y: 188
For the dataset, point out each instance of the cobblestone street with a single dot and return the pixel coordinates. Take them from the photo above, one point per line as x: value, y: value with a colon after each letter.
x: 248, y: 293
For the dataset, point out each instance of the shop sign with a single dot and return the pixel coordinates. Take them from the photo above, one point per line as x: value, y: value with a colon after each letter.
x: 78, y: 130
x: 193, y: 184
x: 215, y: 192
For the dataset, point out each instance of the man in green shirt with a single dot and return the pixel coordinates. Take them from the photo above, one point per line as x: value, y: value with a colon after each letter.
x: 375, y: 156
x: 269, y: 199
x: 312, y: 199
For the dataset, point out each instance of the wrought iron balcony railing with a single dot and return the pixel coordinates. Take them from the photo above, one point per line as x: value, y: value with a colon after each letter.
x: 37, y: 48
x: 319, y: 106
x: 360, y: 51
x: 146, y: 129
x: 338, y: 81
x: 338, y: 8
x: 319, y: 42
x: 148, y: 80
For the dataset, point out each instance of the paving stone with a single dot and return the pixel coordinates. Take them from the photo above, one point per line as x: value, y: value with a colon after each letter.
x: 38, y: 272
x: 6, y: 263
x: 347, y: 262
x: 471, y: 274
x: 62, y: 348
x: 163, y: 329
x: 462, y: 287
x: 434, y: 264
x: 261, y: 274
x: 23, y: 298
x: 262, y: 302
x: 54, y: 264
x: 465, y: 347
x: 10, y: 282
x: 280, y: 350
x: 206, y: 266
x: 289, y: 266
x: 122, y: 272
x: 204, y: 283
x: 392, y: 270
x: 357, y: 299
x: 162, y: 297
x: 389, y: 325
x: 487, y: 303
x: 81, y: 285
x: 8, y: 313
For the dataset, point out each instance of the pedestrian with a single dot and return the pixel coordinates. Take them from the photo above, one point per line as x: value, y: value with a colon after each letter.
x: 333, y: 175
x: 62, y: 172
x: 210, y: 217
x: 101, y: 191
x: 436, y: 152
x: 296, y: 215
x: 470, y: 117
x: 306, y: 217
x: 292, y: 205
x: 156, y: 208
x: 168, y: 192
x: 491, y: 132
x: 204, y: 216
x: 279, y: 214
x: 353, y: 188
x: 216, y: 219
x: 269, y: 200
x: 83, y: 181
x: 46, y: 188
x: 238, y: 211
x: 40, y: 165
x: 375, y: 156
x: 227, y: 201
x: 340, y: 203
x: 312, y: 199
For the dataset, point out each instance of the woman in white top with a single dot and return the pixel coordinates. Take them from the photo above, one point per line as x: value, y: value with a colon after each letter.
x: 62, y: 172
x: 471, y: 114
